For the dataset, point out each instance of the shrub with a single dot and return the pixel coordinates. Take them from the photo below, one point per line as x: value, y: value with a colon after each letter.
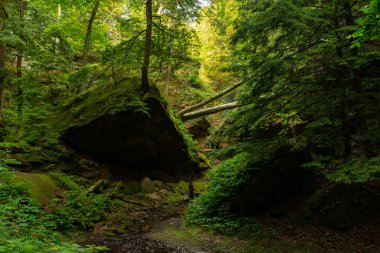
x: 24, y: 227
x: 211, y: 208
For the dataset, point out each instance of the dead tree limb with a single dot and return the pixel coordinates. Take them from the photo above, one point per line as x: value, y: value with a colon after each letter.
x: 211, y: 110
x: 207, y: 101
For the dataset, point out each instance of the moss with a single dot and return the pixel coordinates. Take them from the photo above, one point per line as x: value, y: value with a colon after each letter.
x: 315, y: 200
x: 131, y: 188
x: 310, y: 205
x: 105, y: 98
x: 182, y: 188
x: 199, y: 186
x: 79, y: 110
x: 147, y: 186
x: 42, y: 187
x: 64, y: 181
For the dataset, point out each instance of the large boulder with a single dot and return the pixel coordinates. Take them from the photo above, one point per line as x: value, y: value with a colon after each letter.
x: 135, y: 141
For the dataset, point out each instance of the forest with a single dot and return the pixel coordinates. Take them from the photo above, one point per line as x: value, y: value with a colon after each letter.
x: 204, y: 126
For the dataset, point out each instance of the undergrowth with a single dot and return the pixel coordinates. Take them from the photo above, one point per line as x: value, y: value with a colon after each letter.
x: 211, y: 209
x: 25, y: 227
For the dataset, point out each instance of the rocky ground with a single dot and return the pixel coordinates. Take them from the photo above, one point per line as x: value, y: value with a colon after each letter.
x: 135, y: 243
x: 146, y: 218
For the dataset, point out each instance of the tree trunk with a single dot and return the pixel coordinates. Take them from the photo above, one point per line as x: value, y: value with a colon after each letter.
x: 199, y: 105
x: 2, y: 71
x: 212, y: 110
x: 21, y: 10
x: 89, y: 30
x: 3, y: 17
x: 56, y: 44
x: 148, y: 40
x: 341, y: 84
x: 20, y: 53
x: 167, y: 82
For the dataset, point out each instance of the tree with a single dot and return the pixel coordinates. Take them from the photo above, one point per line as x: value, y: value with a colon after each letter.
x: 148, y: 41
x: 89, y: 30
x: 308, y: 79
x: 21, y: 34
x: 3, y: 48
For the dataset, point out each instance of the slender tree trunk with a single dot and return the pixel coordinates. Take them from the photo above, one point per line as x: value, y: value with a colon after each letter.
x: 2, y: 71
x: 21, y: 9
x: 168, y: 75
x: 89, y: 31
x: 20, y: 53
x: 340, y: 81
x: 357, y: 86
x: 3, y: 17
x: 148, y: 40
x: 341, y: 72
x: 56, y: 44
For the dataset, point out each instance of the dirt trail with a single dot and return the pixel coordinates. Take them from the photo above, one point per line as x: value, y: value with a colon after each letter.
x: 136, y: 238
x: 135, y: 243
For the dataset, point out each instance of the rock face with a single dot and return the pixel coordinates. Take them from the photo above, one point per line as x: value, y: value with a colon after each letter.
x: 134, y: 140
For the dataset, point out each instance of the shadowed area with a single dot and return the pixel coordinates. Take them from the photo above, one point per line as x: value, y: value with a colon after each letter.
x: 135, y: 140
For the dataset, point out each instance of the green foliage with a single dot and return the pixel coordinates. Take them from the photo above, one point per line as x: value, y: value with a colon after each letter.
x: 357, y: 170
x: 307, y: 83
x: 65, y: 181
x: 211, y: 208
x: 78, y: 209
x: 24, y: 226
x: 369, y: 25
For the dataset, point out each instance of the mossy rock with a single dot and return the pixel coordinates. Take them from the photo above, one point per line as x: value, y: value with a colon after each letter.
x: 182, y: 188
x: 155, y: 196
x: 199, y: 187
x: 159, y: 185
x: 147, y: 186
x: 131, y: 188
x: 64, y: 181
x: 315, y: 201
x: 150, y: 139
x: 41, y: 186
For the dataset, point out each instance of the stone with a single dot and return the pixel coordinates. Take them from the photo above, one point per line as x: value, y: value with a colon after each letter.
x: 182, y: 188
x: 159, y: 184
x: 144, y: 229
x: 155, y: 196
x: 134, y: 140
x: 165, y: 192
x: 170, y: 186
x: 198, y: 127
x: 131, y: 188
x: 147, y: 186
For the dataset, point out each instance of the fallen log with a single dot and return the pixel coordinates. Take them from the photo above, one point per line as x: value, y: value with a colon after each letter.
x: 211, y: 110
x: 207, y: 101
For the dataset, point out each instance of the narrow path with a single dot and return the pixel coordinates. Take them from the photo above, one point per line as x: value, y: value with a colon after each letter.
x: 136, y: 239
x: 135, y: 243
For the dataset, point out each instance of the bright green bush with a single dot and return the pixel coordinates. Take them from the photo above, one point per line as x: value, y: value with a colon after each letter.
x: 211, y: 208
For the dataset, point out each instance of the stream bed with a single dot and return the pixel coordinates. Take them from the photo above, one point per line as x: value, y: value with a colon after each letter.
x: 135, y: 243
